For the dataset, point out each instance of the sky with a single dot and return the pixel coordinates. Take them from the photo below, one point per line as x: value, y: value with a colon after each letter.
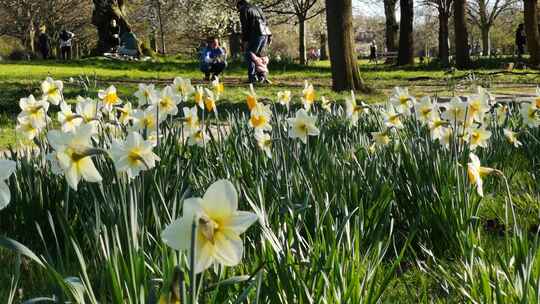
x: 365, y: 9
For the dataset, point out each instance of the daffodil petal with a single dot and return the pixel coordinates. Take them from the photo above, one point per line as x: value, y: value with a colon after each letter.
x: 178, y: 234
x: 228, y: 248
x: 204, y: 256
x: 5, y: 195
x: 241, y: 221
x: 220, y: 200
x: 89, y: 171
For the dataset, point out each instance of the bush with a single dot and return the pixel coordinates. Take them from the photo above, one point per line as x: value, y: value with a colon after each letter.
x: 18, y: 55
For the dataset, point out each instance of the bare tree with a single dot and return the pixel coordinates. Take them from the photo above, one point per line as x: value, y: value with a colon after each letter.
x: 444, y: 9
x: 531, y: 27
x: 483, y: 13
x: 406, y: 38
x: 303, y: 11
x: 345, y: 72
x: 461, y: 34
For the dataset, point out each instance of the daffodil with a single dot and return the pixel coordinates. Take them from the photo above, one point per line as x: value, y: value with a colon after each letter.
x: 67, y: 119
x: 210, y: 101
x: 353, y: 110
x: 260, y: 118
x: 73, y: 152
x: 501, y: 112
x: 308, y: 95
x: 436, y: 127
x: 392, y: 119
x: 284, y: 98
x: 88, y: 110
x: 425, y: 110
x: 478, y: 137
x: 326, y: 104
x: 218, y: 227
x: 218, y: 88
x: 476, y: 172
x: 477, y: 107
x: 109, y: 97
x: 7, y: 168
x: 455, y: 111
x: 34, y: 110
x: 146, y: 94
x: 381, y: 138
x: 264, y: 142
x: 251, y: 97
x: 168, y: 102
x: 126, y: 114
x: 199, y: 97
x: 146, y: 119
x: 52, y: 90
x: 28, y: 129
x: 191, y: 120
x: 402, y: 100
x: 512, y: 138
x: 198, y: 138
x: 133, y: 155
x: 302, y: 126
x: 183, y: 87
x: 530, y: 114
x: 445, y: 138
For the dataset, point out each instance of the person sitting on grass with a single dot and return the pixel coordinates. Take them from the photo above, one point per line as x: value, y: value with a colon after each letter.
x: 129, y: 45
x: 213, y: 59
x: 261, y: 66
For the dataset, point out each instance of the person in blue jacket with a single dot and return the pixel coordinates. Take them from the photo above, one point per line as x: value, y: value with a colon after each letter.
x: 213, y: 59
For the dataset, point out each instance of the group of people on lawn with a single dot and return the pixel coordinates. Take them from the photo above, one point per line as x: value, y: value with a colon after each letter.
x: 256, y: 36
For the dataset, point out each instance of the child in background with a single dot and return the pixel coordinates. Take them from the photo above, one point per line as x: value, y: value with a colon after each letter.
x: 261, y: 66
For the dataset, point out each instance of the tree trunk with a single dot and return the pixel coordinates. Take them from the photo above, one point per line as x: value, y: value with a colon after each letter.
x: 104, y: 12
x: 235, y: 45
x: 486, y: 44
x: 324, y: 42
x: 461, y: 36
x: 531, y: 29
x: 345, y: 72
x: 444, y: 51
x: 391, y: 27
x: 302, y: 40
x: 160, y: 21
x: 406, y: 38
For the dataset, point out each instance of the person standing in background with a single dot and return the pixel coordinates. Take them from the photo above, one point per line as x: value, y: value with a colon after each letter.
x: 44, y: 44
x: 256, y: 34
x: 66, y: 39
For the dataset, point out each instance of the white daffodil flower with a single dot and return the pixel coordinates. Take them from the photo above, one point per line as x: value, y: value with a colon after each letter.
x: 28, y: 129
x: 146, y: 94
x: 264, y: 142
x: 260, y: 118
x: 109, y: 97
x: 73, y: 152
x: 251, y: 97
x: 147, y: 119
x: 502, y: 112
x: 530, y: 114
x: 478, y: 137
x: 284, y: 98
x: 308, y: 96
x: 168, y: 102
x: 191, y: 120
x: 218, y: 88
x: 381, y: 139
x: 475, y: 172
x: 68, y: 120
x: 402, y: 100
x: 477, y: 107
x: 353, y: 110
x: 218, y: 229
x: 436, y: 127
x: 302, y: 126
x: 88, y: 110
x: 198, y: 138
x: 210, y: 101
x: 7, y: 168
x: 199, y: 97
x: 34, y: 110
x: 133, y: 155
x: 52, y: 90
x: 183, y: 87
x: 126, y: 114
x: 392, y: 119
x: 455, y: 111
x: 445, y: 138
x: 512, y: 138
x: 326, y: 104
x: 425, y: 110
